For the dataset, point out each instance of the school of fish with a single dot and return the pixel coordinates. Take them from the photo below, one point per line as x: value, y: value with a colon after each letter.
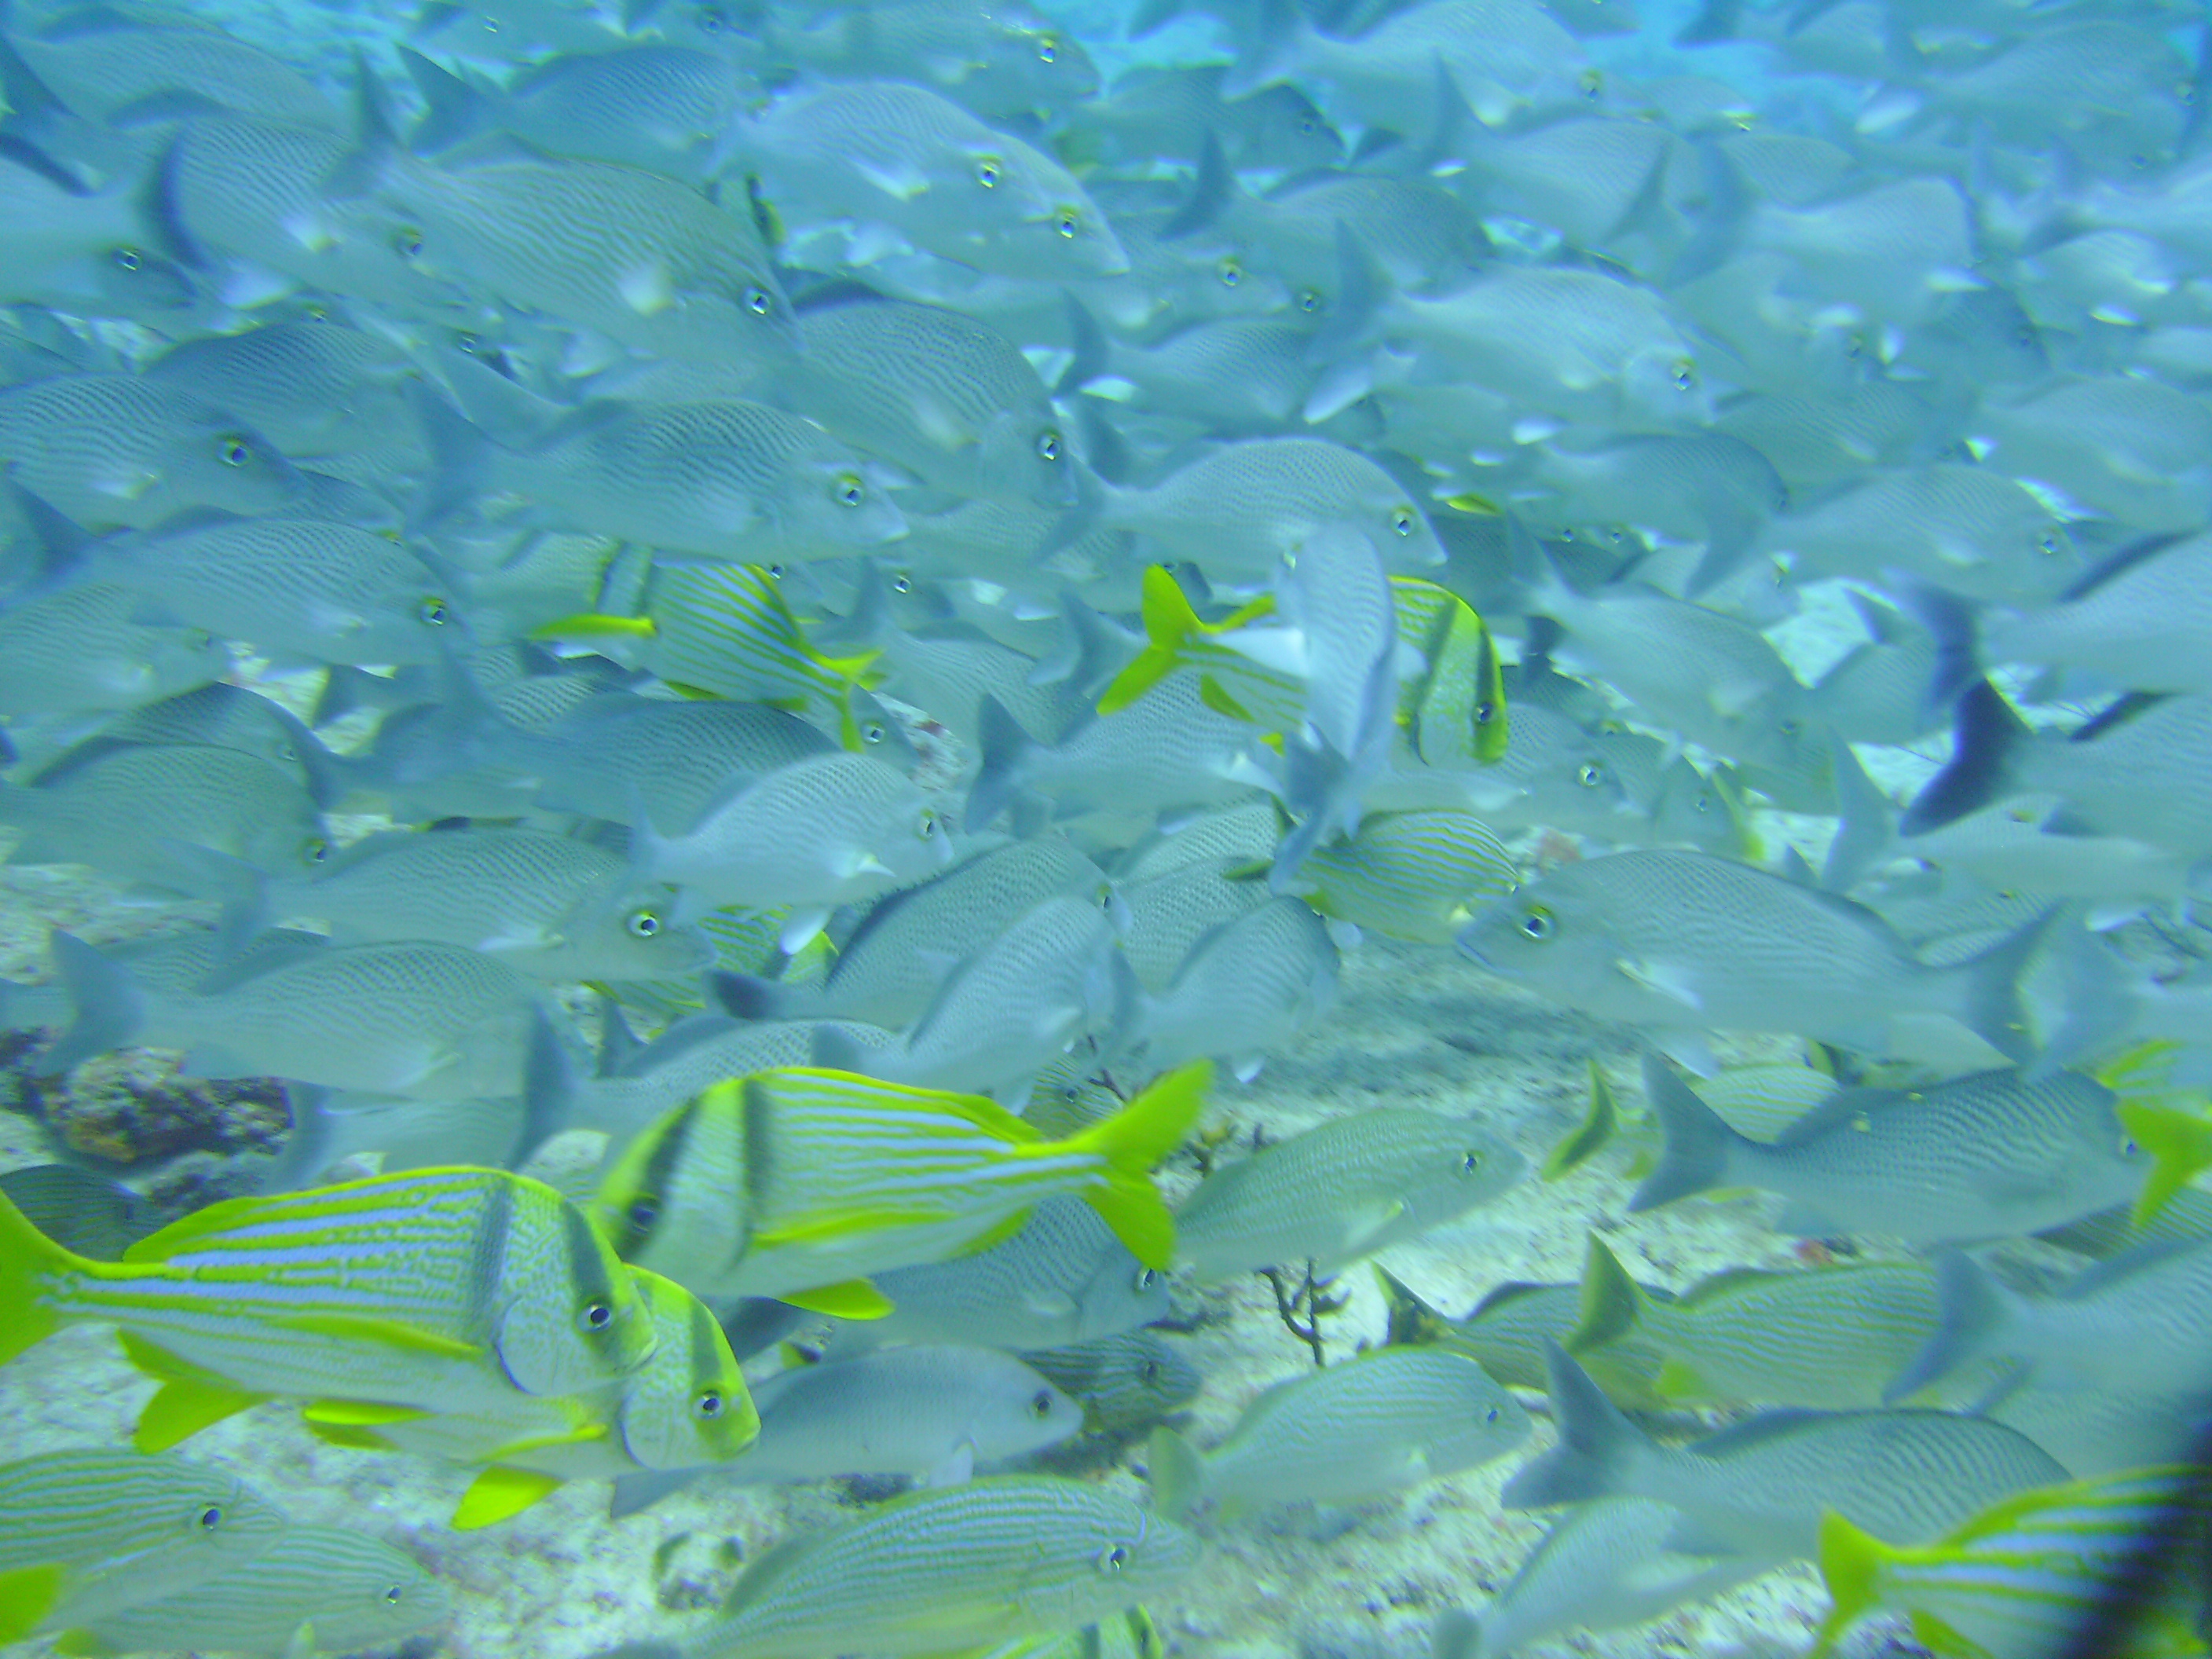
x: 808, y: 673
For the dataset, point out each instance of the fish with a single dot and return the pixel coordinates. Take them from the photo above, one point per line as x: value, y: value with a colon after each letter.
x: 1170, y: 913
x: 832, y: 1203
x: 1002, y: 65
x: 316, y: 1590
x: 1246, y: 986
x: 90, y: 647
x: 90, y: 1531
x: 1125, y: 1381
x: 80, y: 1211
x: 1986, y: 1156
x: 1389, y: 1419
x: 814, y: 833
x: 685, y: 1406
x: 1341, y: 1191
x: 460, y: 1286
x: 928, y: 174
x: 1605, y: 1564
x: 2026, y: 1573
x: 1408, y: 875
x: 989, y: 1561
x: 1759, y: 1488
x: 1065, y: 1278
x: 415, y: 1018
x: 934, y: 1412
x: 1668, y: 940
x: 2144, y: 1299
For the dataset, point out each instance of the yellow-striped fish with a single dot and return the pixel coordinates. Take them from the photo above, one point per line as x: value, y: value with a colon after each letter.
x: 799, y: 1184
x: 439, y: 1288
x: 686, y: 1407
x: 2021, y: 1578
x: 84, y: 1534
x: 1408, y: 875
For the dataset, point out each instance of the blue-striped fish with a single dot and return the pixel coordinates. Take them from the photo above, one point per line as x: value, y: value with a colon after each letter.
x: 1392, y: 1417
x: 2020, y: 1577
x: 440, y: 1289
x: 317, y: 1590
x: 951, y: 1570
x: 84, y: 1534
x: 799, y: 1184
x: 686, y: 1407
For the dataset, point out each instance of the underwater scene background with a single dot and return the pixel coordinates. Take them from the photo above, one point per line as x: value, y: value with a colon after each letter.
x: 1277, y: 829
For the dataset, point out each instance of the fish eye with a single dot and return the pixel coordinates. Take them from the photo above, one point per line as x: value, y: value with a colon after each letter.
x: 642, y: 924
x: 433, y: 611
x: 1485, y: 713
x: 1310, y: 300
x: 1591, y: 83
x: 711, y: 21
x: 1307, y: 126
x: 1685, y: 375
x: 1048, y: 49
x: 127, y: 257
x: 1401, y: 520
x: 1151, y: 1373
x: 2048, y: 545
x: 392, y: 1595
x: 597, y: 1315
x: 1041, y: 1404
x: 1537, y: 924
x: 314, y: 849
x: 1231, y: 271
x: 2127, y: 1147
x: 210, y: 1518
x: 708, y: 1404
x: 1591, y: 774
x: 1471, y: 1164
x: 1146, y: 1277
x: 1491, y: 1416
x: 1048, y: 445
x: 232, y: 451
x: 1069, y: 221
x: 926, y: 826
x: 642, y: 1213
x: 872, y: 731
x: 467, y: 343
x: 758, y: 301
x: 1106, y: 898
x: 902, y: 583
x: 849, y: 489
x: 988, y: 170
x: 1115, y: 1559
x: 775, y: 573
x: 407, y: 242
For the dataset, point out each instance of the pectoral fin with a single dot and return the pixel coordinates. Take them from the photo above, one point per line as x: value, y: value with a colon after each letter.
x: 856, y: 1298
x: 182, y: 1409
x: 499, y: 1493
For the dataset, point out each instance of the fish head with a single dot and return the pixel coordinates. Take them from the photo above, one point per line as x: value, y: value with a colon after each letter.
x: 1140, y: 1380
x: 687, y: 1406
x: 879, y: 733
x: 1018, y: 1412
x: 1122, y: 1295
x: 211, y: 460
x: 1024, y: 457
x: 1663, y: 382
x: 674, y: 1200
x: 840, y: 503
x: 381, y: 1597
x: 900, y: 842
x: 1551, y: 935
x: 1460, y: 1171
x: 1044, y: 227
x: 575, y: 1319
x: 636, y: 938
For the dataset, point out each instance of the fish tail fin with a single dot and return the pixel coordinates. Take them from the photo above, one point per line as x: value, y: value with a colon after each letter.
x: 1952, y: 622
x: 108, y: 1005
x: 1850, y: 1563
x: 1599, y: 1125
x: 1178, y: 1474
x: 552, y: 1089
x: 1340, y: 347
x: 1267, y: 60
x: 310, y: 1148
x: 1091, y: 353
x: 636, y: 1492
x: 28, y: 1261
x: 1412, y: 1322
x: 1457, y: 1634
x: 1985, y: 754
x: 376, y: 136
x: 1972, y: 1311
x: 1612, y: 1301
x: 1698, y: 1143
x: 1169, y: 620
x: 1989, y: 985
x: 749, y: 997
x: 1132, y: 1141
x: 462, y: 452
x: 452, y: 109
x: 1006, y: 751
x: 1863, y: 814
x: 1211, y: 191
x: 1095, y: 651
x: 1598, y: 1451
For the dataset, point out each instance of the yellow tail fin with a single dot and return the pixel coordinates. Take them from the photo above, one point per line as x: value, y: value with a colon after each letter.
x: 1169, y: 620
x: 1132, y: 1141
x: 1850, y: 1562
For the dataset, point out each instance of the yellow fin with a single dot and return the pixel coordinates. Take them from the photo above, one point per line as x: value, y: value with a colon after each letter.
x: 1850, y: 1562
x: 591, y: 626
x: 80, y: 1644
x: 855, y: 1298
x: 998, y: 1235
x: 359, y: 1414
x: 1596, y: 1128
x: 182, y: 1409
x: 349, y: 1435
x: 1610, y: 1303
x: 382, y: 1333
x: 2181, y: 1145
x: 1211, y: 693
x: 28, y: 1594
x: 1169, y: 620
x: 1132, y: 1141
x: 499, y: 1493
x: 1676, y: 1381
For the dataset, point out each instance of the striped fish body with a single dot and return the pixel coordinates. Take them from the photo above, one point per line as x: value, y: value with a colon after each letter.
x: 2018, y: 1581
x: 1505, y: 1331
x: 686, y: 1407
x: 317, y: 1590
x: 436, y: 1288
x: 1341, y: 1191
x: 1169, y: 913
x: 795, y: 1178
x: 726, y: 629
x: 1410, y: 875
x: 952, y: 1569
x: 1392, y: 1417
x: 88, y: 645
x: 1454, y: 710
x: 86, y: 1533
x: 679, y: 757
